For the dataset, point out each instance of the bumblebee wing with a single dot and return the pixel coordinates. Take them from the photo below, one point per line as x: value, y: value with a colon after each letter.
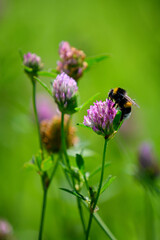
x: 131, y: 100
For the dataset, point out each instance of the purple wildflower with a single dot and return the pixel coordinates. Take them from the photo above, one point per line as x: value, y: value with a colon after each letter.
x: 33, y: 61
x: 46, y: 108
x: 71, y: 61
x: 147, y: 160
x: 5, y: 230
x: 64, y: 92
x: 100, y: 117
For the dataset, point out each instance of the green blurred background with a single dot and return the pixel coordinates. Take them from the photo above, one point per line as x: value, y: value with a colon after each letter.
x: 130, y: 32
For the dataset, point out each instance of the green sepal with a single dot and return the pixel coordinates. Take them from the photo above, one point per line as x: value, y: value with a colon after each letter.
x: 47, y: 164
x: 28, y: 69
x: 80, y: 162
x: 117, y: 121
x: 87, y: 102
x: 98, y: 169
x: 95, y: 59
x: 71, y: 105
x: 44, y: 86
x: 74, y: 193
x: 108, y: 182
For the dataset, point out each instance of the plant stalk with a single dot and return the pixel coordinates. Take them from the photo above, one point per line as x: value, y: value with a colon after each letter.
x: 43, y: 213
x: 63, y: 141
x: 98, y: 192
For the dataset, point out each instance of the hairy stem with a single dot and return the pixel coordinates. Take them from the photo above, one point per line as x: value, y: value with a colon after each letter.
x: 43, y: 178
x: 36, y: 115
x: 43, y: 213
x: 63, y: 141
x: 98, y: 192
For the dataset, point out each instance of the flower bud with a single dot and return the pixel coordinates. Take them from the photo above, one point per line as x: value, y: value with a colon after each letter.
x: 5, y: 230
x: 51, y: 134
x: 32, y: 61
x: 65, y: 93
x: 71, y: 61
x: 100, y: 118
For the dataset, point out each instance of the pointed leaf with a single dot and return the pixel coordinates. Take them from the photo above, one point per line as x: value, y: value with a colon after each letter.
x: 47, y: 74
x: 44, y: 86
x: 74, y: 193
x: 99, y: 169
x: 30, y: 166
x: 82, y: 125
x: 55, y: 71
x: 117, y: 120
x: 80, y: 162
x: 108, y: 182
x: 47, y: 164
x: 87, y: 102
x: 95, y: 59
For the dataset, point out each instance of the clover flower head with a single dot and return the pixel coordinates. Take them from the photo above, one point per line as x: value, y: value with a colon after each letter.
x: 33, y: 61
x: 71, y: 61
x: 64, y: 91
x: 100, y: 118
x: 5, y: 230
x: 51, y: 134
x: 147, y: 160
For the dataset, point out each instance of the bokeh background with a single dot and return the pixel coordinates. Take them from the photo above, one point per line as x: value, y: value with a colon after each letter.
x: 127, y: 30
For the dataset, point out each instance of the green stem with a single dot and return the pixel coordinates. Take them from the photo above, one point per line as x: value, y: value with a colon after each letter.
x: 54, y: 170
x: 63, y: 141
x: 97, y: 218
x: 43, y: 213
x: 149, y: 219
x: 102, y: 225
x: 98, y: 192
x: 43, y: 178
x: 36, y: 115
x: 81, y: 214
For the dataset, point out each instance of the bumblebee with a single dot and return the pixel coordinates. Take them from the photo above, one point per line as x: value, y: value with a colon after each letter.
x: 122, y: 101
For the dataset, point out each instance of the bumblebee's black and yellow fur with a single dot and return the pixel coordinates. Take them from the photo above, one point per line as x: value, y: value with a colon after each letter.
x: 123, y: 102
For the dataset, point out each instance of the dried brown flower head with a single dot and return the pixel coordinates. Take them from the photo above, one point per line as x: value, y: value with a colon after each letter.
x: 51, y: 134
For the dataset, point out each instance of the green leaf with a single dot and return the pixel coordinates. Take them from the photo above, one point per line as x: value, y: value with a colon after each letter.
x: 87, y: 102
x: 47, y: 164
x: 80, y: 162
x: 55, y: 71
x: 28, y: 69
x: 117, y: 120
x: 99, y: 169
x: 108, y: 182
x: 44, y: 86
x: 47, y: 74
x: 95, y: 59
x: 82, y: 125
x: 30, y: 166
x: 74, y: 193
